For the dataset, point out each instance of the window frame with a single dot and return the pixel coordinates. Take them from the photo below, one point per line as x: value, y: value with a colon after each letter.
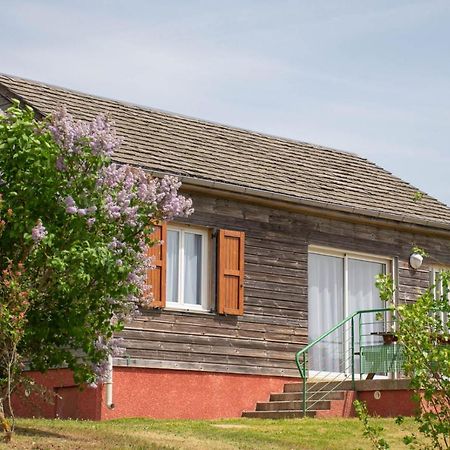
x: 205, y: 295
x: 370, y: 257
x: 346, y: 255
x: 437, y: 290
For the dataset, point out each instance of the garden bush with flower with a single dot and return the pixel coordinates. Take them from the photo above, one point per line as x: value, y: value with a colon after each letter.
x: 74, y: 235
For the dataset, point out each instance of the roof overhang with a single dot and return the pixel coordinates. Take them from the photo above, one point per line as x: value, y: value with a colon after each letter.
x: 316, y: 208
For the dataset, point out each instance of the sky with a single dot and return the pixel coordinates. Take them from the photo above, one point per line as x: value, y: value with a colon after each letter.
x: 371, y: 77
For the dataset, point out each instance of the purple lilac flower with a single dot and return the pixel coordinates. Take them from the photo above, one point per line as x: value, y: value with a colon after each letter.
x: 116, y: 346
x: 75, y: 135
x: 133, y: 184
x: 66, y: 132
x: 115, y: 244
x: 69, y: 201
x: 60, y: 164
x: 123, y: 184
x: 112, y: 347
x: 134, y: 277
x: 103, y: 136
x: 38, y: 232
x: 101, y: 371
x: 71, y: 207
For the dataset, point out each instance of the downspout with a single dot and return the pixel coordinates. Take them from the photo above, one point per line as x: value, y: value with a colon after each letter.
x: 396, y: 299
x: 109, y: 384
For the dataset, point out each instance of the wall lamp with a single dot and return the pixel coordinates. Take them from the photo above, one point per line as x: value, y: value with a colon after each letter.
x: 415, y: 260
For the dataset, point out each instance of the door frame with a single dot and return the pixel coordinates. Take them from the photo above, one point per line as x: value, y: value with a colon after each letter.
x: 389, y: 263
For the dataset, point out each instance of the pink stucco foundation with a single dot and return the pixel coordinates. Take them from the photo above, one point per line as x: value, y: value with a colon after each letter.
x: 180, y: 394
x: 389, y: 403
x: 62, y: 398
x: 155, y: 393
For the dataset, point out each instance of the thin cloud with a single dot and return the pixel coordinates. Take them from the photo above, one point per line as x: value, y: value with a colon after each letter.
x: 368, y: 77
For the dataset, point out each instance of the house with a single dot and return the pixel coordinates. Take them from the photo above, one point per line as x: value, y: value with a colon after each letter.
x: 286, y: 240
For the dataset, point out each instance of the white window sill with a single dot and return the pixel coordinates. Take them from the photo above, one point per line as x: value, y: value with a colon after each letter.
x: 190, y: 309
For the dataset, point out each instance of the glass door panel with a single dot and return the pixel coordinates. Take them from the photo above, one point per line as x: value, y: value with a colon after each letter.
x: 325, y: 309
x: 363, y: 294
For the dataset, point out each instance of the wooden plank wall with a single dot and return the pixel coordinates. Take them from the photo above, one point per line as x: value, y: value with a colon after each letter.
x: 4, y: 103
x: 274, y: 325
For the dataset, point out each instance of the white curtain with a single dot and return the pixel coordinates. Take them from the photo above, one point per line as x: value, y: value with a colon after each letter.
x: 192, y: 268
x: 325, y: 309
x: 362, y: 294
x: 173, y: 240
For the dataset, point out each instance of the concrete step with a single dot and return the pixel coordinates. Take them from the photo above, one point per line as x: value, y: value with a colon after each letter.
x: 345, y: 385
x: 289, y: 404
x: 298, y: 396
x: 292, y: 405
x: 277, y: 414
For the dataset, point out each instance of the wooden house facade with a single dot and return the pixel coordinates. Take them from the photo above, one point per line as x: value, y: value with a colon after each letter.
x: 286, y: 239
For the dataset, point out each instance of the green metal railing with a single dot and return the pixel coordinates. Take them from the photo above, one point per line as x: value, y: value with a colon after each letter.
x: 349, y: 334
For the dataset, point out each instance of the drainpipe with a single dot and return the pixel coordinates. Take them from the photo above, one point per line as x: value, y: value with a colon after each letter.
x: 109, y: 384
x: 395, y: 375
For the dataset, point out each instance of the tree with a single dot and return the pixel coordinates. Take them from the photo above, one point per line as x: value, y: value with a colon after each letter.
x: 423, y: 333
x: 74, y: 232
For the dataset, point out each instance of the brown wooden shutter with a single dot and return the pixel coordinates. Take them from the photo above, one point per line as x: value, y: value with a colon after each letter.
x: 230, y: 279
x: 157, y: 277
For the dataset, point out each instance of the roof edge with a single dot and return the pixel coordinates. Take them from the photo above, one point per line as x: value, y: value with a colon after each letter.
x: 10, y: 94
x: 188, y: 181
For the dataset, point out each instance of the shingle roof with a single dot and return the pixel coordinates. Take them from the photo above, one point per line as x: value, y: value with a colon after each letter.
x: 201, y: 151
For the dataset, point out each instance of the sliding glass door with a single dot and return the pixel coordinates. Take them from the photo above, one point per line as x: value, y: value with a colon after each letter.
x: 339, y: 284
x: 325, y: 309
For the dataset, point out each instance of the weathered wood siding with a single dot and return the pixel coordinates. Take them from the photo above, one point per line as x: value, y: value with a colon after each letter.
x: 4, y: 103
x: 274, y: 325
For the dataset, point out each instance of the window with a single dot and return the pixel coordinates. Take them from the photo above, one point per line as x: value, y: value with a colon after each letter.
x: 182, y: 269
x: 339, y: 284
x: 187, y: 277
x: 440, y: 293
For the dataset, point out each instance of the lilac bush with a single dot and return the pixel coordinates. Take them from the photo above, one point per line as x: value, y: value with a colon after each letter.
x: 82, y: 237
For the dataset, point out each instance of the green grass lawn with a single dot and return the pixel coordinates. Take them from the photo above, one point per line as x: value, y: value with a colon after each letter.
x: 251, y: 434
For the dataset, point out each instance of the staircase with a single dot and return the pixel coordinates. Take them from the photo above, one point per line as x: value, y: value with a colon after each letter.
x: 324, y: 399
x: 330, y: 393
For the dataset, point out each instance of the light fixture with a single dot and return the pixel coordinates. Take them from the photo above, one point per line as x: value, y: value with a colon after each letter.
x: 415, y: 260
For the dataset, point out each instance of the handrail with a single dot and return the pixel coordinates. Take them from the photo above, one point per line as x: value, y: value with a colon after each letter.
x: 340, y: 324
x: 303, y: 352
